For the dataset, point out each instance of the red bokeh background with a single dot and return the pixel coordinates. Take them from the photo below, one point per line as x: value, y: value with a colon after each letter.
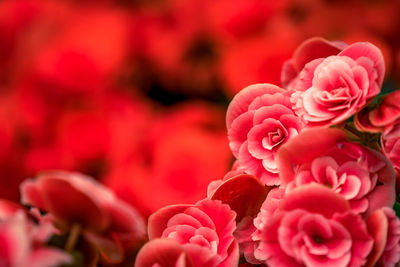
x: 134, y: 92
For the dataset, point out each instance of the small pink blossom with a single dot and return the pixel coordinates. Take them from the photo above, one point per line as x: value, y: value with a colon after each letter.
x: 320, y: 155
x: 109, y: 224
x: 334, y: 81
x: 313, y: 227
x: 18, y: 248
x: 205, y: 231
x: 381, y: 119
x: 384, y: 227
x: 259, y: 120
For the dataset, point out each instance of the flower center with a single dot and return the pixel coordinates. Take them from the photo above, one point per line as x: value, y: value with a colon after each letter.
x: 318, y: 240
x: 273, y: 139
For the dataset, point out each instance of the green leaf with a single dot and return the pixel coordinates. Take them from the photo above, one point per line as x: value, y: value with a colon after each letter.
x: 396, y: 208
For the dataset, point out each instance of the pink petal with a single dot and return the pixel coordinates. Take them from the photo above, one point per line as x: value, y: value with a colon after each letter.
x: 315, y: 198
x: 370, y: 51
x: 377, y: 227
x: 275, y: 111
x: 388, y: 111
x: 240, y: 103
x: 224, y: 220
x: 243, y: 193
x: 363, y: 123
x: 240, y: 127
x: 303, y: 147
x: 314, y: 48
x: 14, y: 240
x: 233, y: 256
x: 165, y: 252
x: 31, y: 195
x: 158, y: 221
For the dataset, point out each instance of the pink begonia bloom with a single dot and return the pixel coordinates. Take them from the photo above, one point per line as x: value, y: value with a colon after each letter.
x: 259, y: 120
x: 384, y: 227
x: 361, y: 175
x: 381, y: 119
x: 109, y: 224
x: 391, y: 146
x: 162, y: 252
x: 333, y: 81
x: 205, y: 230
x: 313, y: 226
x: 19, y: 249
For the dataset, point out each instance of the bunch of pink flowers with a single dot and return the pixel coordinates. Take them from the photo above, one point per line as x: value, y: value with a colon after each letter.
x: 315, y: 175
x: 313, y: 184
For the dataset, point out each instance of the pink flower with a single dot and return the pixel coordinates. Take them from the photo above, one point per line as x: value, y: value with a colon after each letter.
x: 259, y: 120
x: 382, y: 118
x: 333, y: 81
x: 109, y: 224
x: 384, y: 227
x: 320, y: 155
x: 18, y: 247
x: 205, y: 230
x: 313, y: 227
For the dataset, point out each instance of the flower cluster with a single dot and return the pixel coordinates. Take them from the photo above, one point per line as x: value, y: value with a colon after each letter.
x: 71, y: 219
x: 312, y: 185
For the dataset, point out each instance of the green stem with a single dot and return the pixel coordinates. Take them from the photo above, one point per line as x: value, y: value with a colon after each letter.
x: 73, y: 237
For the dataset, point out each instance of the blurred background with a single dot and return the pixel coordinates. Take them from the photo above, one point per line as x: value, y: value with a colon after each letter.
x: 134, y: 92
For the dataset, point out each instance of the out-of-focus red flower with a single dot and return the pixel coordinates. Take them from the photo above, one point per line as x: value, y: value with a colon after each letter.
x: 184, y: 150
x: 230, y: 21
x: 185, y: 68
x: 361, y: 175
x: 205, y: 230
x: 110, y: 225
x: 255, y: 60
x: 74, y: 56
x: 18, y: 247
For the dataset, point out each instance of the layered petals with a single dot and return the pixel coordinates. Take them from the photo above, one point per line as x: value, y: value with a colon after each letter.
x: 259, y: 120
x: 302, y: 232
x: 361, y: 175
x: 205, y: 231
x: 336, y: 81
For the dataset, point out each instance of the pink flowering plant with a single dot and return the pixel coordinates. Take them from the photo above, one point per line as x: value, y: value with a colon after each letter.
x: 315, y: 183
